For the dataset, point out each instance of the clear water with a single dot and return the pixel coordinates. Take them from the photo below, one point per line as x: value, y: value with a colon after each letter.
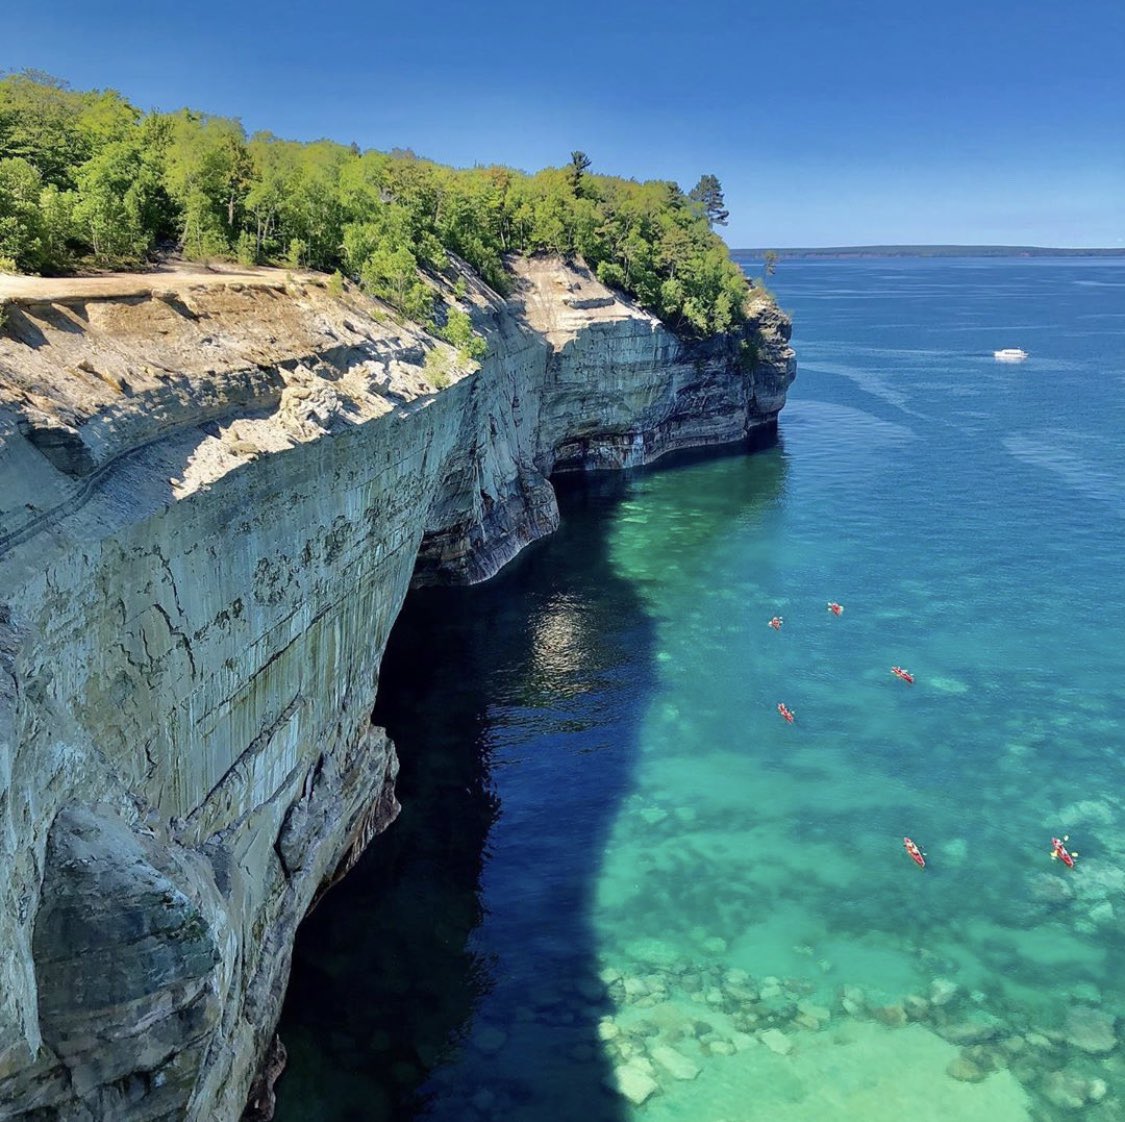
x: 621, y: 876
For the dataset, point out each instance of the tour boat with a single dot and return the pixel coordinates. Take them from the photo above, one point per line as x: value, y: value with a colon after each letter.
x: 1010, y: 354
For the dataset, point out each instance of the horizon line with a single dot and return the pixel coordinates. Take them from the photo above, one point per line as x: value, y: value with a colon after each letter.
x: 930, y: 246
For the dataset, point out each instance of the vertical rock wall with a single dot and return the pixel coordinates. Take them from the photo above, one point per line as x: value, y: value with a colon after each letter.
x: 214, y: 496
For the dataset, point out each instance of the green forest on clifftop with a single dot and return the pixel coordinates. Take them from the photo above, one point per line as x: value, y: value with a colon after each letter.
x: 86, y: 179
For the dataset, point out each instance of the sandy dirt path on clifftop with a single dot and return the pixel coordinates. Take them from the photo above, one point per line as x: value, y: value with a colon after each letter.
x: 170, y: 278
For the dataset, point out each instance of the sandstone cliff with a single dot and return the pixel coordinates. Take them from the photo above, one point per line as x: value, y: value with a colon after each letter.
x: 214, y: 494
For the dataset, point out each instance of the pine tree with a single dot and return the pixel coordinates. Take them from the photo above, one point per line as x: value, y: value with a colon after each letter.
x: 579, y: 162
x: 709, y: 194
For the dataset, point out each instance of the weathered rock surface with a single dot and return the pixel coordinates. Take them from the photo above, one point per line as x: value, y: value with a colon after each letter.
x: 213, y: 499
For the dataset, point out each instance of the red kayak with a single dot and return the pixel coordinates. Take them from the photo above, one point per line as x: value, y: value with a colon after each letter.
x: 916, y: 854
x: 775, y: 623
x: 905, y: 675
x: 834, y: 608
x: 785, y: 711
x: 1059, y: 852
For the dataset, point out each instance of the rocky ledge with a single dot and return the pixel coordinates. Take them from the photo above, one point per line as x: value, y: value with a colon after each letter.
x: 215, y: 492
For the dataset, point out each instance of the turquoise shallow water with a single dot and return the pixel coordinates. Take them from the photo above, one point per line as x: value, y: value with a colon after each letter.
x: 624, y: 888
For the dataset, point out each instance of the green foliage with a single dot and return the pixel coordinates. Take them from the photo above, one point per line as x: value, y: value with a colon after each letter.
x: 206, y: 171
x: 437, y: 368
x: 297, y: 253
x: 748, y: 354
x: 20, y: 187
x: 336, y: 284
x: 110, y: 210
x: 458, y: 330
x: 579, y: 162
x: 709, y: 195
x: 85, y: 175
x: 246, y: 252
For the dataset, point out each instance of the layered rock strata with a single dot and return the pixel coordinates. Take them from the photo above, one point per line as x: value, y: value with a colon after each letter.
x: 214, y: 495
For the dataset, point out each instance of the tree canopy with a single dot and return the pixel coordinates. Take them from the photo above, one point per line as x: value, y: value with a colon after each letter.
x: 85, y: 177
x: 709, y: 195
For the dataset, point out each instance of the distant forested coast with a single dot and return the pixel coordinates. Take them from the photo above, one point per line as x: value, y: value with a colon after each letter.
x: 931, y: 251
x: 89, y: 180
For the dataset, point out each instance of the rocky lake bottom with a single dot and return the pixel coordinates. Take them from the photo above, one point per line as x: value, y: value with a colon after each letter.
x: 622, y: 887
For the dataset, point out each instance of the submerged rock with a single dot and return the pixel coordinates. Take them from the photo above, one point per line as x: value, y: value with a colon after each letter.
x: 811, y: 1009
x: 1090, y: 1030
x: 1049, y: 888
x: 965, y: 1070
x: 943, y: 991
x: 917, y: 1008
x: 1063, y: 1089
x: 979, y: 1028
x: 675, y: 1063
x: 489, y: 1039
x: 891, y: 1015
x: 633, y: 1082
x: 777, y: 1042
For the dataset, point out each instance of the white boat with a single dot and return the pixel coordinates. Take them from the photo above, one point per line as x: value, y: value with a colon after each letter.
x: 1010, y: 354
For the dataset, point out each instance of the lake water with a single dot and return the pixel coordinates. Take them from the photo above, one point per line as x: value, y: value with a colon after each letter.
x: 624, y: 888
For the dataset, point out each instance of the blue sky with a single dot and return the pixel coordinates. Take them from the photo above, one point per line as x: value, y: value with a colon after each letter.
x: 828, y: 122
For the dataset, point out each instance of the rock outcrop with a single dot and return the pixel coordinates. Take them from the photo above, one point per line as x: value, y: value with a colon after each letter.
x: 214, y: 495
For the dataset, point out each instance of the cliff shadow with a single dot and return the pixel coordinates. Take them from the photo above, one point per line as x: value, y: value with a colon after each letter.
x: 455, y: 973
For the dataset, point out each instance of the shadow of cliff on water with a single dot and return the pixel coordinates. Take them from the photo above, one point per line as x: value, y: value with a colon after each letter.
x: 454, y: 974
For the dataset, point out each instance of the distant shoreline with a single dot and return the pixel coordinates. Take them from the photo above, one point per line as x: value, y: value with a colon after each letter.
x: 932, y: 251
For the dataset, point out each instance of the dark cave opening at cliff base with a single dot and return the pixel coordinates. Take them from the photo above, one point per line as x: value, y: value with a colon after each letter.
x: 453, y: 973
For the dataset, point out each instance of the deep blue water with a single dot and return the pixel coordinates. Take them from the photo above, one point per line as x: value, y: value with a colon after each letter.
x: 618, y: 869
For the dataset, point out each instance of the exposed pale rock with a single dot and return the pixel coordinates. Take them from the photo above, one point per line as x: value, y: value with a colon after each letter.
x: 214, y: 496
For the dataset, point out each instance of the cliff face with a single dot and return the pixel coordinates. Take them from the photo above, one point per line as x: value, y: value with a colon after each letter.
x: 214, y: 496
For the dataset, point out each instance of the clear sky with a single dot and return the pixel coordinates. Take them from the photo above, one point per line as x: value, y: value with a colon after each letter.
x: 829, y: 122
